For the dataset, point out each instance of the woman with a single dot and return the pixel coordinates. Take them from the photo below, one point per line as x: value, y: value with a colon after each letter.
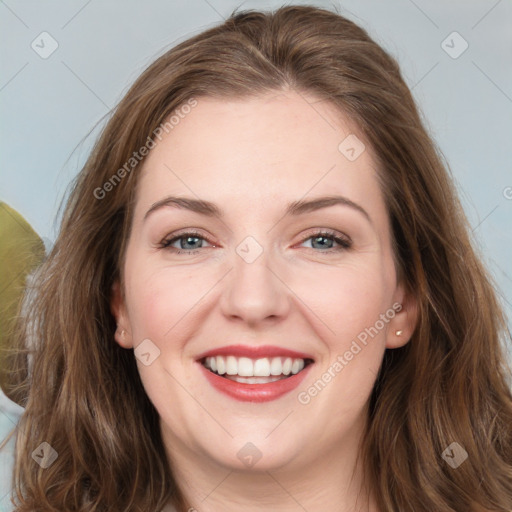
x: 264, y: 296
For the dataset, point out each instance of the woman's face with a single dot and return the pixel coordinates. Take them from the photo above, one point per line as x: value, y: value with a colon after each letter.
x: 253, y: 269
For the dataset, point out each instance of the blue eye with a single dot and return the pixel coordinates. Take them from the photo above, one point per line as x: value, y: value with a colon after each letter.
x: 190, y: 242
x: 325, y: 239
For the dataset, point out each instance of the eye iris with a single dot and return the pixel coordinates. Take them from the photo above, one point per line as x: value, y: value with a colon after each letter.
x: 321, y: 237
x: 188, y: 238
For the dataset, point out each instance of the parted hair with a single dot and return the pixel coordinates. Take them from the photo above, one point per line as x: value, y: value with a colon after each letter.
x: 451, y: 383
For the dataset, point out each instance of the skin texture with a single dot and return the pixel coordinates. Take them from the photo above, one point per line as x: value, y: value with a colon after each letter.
x: 252, y: 157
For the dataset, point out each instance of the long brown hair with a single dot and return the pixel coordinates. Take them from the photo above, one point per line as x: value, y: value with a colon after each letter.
x: 448, y: 384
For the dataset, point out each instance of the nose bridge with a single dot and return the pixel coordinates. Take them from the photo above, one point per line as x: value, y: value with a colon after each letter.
x: 253, y: 290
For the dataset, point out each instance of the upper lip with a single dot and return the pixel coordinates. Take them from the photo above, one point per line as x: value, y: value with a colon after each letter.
x: 254, y: 352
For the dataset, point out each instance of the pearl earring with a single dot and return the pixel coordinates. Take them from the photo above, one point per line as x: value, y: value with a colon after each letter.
x: 399, y: 333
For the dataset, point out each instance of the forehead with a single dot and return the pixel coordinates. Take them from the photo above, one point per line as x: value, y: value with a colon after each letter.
x: 279, y: 147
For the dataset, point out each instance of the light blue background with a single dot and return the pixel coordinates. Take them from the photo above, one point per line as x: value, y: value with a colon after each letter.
x: 49, y: 105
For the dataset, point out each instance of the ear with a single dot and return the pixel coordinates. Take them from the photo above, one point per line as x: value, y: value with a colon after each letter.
x: 404, y: 322
x: 123, y: 334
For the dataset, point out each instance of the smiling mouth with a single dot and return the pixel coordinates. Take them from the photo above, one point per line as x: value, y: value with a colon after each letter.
x: 255, y: 371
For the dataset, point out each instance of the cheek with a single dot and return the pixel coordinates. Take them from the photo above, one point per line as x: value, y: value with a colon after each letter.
x: 349, y: 305
x: 348, y: 299
x: 158, y: 299
x: 168, y: 305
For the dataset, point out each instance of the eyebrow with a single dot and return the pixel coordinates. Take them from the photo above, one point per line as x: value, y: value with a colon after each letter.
x: 294, y: 208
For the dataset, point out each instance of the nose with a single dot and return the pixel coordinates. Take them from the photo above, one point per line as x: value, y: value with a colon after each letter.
x: 254, y: 292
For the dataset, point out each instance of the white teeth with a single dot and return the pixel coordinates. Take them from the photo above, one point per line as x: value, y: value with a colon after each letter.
x: 262, y: 367
x: 287, y: 366
x: 246, y: 367
x: 254, y: 380
x: 296, y: 366
x: 231, y: 365
x: 276, y: 366
x: 219, y: 362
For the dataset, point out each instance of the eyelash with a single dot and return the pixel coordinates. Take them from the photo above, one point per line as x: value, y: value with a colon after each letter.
x: 344, y: 242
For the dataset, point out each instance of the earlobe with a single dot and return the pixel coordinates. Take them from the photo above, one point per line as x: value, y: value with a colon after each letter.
x: 123, y: 338
x: 122, y: 334
x: 396, y: 339
x: 404, y: 322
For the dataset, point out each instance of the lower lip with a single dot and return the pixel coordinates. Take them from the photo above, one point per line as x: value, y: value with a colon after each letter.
x: 254, y: 392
